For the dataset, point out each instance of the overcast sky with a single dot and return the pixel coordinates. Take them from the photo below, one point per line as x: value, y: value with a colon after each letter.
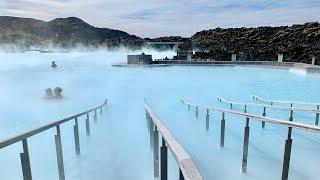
x: 152, y: 18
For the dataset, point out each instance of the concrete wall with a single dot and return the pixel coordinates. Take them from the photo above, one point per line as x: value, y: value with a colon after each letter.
x: 234, y: 57
x: 133, y: 59
x: 139, y: 59
x: 313, y: 60
x: 280, y: 57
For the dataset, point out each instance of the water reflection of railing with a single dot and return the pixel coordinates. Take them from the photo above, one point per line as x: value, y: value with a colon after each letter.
x: 188, y: 169
x: 265, y: 106
x: 288, y: 143
x: 25, y: 158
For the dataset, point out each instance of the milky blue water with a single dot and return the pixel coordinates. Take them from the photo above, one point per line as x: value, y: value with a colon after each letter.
x: 118, y: 147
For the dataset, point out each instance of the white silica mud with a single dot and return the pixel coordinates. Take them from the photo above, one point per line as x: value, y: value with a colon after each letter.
x: 118, y: 147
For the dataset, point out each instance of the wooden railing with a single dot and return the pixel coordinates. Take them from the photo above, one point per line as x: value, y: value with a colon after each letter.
x: 24, y: 156
x: 188, y: 168
x: 265, y: 106
x: 288, y: 143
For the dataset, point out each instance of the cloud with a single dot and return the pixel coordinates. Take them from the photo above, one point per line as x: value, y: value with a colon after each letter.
x: 151, y: 18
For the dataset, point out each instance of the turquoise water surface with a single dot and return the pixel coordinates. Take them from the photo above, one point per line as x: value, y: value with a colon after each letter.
x: 118, y: 147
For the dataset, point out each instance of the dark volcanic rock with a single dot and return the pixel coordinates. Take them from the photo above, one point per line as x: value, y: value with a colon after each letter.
x: 169, y: 39
x: 298, y: 43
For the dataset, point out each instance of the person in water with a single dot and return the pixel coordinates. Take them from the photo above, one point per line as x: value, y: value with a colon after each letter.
x: 53, y: 64
x: 55, y: 94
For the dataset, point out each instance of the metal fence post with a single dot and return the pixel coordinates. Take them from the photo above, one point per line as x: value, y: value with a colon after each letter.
x: 207, y: 120
x: 156, y: 152
x: 197, y: 111
x: 245, y: 109
x: 148, y: 121
x: 317, y: 117
x: 25, y: 161
x: 95, y: 116
x: 59, y: 154
x: 223, y: 123
x: 76, y: 137
x: 105, y: 104
x: 245, y: 146
x: 164, y: 161
x: 180, y: 175
x: 151, y: 134
x: 87, y: 125
x: 287, y: 152
x: 264, y: 114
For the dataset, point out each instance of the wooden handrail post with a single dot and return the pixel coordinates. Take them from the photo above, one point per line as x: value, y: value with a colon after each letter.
x: 59, y: 154
x: 222, y: 131
x: 76, y: 137
x: 25, y: 161
x: 156, y: 152
x: 245, y: 146
x: 164, y: 161
x: 287, y: 152
x: 264, y: 114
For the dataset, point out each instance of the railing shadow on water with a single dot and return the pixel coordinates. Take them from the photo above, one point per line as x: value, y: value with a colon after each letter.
x: 24, y: 156
x: 288, y: 142
x: 188, y: 170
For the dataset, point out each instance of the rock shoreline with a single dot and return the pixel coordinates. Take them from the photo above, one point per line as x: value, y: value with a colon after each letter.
x: 298, y: 43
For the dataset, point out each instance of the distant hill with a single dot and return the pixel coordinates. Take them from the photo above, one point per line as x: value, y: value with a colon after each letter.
x: 27, y: 33
x: 298, y: 43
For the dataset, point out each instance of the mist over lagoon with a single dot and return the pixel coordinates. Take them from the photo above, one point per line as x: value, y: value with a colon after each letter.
x: 119, y: 140
x: 149, y: 90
